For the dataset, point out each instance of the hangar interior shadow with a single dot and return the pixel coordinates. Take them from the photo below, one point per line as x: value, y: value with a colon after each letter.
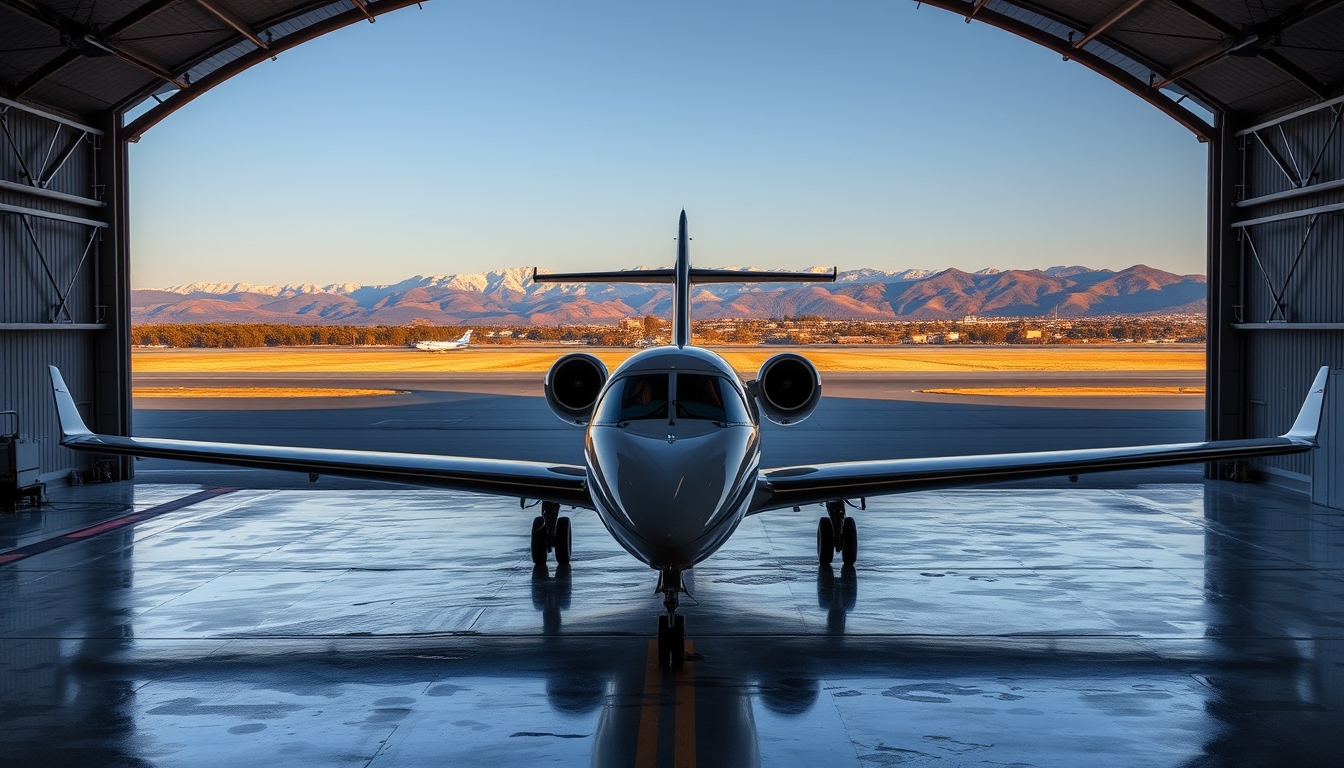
x: 112, y: 644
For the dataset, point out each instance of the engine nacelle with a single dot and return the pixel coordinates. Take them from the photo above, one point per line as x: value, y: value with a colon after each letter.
x: 788, y: 388
x: 572, y: 386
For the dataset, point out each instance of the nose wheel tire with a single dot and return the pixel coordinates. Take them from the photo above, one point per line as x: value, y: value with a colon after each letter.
x: 671, y: 641
x: 564, y: 541
x: 825, y: 541
x: 849, y: 542
x: 539, y: 540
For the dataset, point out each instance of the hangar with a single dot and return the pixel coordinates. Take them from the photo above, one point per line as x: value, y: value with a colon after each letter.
x: 1263, y: 87
x: 1262, y: 84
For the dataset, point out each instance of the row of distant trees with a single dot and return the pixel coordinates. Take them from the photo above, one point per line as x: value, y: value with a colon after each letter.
x: 796, y: 330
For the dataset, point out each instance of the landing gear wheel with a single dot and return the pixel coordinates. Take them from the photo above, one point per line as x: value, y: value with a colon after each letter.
x: 825, y: 541
x: 849, y: 542
x: 564, y: 541
x: 671, y: 641
x: 539, y: 540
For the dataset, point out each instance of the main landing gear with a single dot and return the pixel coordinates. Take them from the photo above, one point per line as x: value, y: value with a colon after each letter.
x: 672, y: 627
x: 550, y: 531
x: 837, y: 533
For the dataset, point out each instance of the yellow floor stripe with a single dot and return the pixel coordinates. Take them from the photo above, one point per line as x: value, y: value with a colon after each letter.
x: 684, y: 750
x: 646, y: 744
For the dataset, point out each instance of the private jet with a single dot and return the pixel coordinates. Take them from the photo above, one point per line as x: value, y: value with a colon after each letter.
x: 672, y: 449
x: 444, y: 346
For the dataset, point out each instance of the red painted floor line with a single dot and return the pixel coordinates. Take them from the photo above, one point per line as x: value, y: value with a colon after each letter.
x: 56, y: 542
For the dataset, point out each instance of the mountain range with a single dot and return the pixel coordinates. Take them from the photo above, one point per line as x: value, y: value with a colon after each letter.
x: 509, y: 297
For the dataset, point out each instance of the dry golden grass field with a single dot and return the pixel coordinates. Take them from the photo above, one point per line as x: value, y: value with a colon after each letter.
x: 746, y: 359
x: 248, y: 392
x: 1066, y: 391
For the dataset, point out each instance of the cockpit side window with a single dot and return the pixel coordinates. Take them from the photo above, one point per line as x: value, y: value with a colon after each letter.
x: 709, y: 397
x: 633, y: 398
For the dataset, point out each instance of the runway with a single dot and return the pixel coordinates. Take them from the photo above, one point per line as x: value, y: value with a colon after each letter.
x: 1133, y: 619
x: 861, y: 416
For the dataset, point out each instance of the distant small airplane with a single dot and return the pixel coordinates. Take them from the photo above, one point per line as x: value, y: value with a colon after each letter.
x: 443, y: 346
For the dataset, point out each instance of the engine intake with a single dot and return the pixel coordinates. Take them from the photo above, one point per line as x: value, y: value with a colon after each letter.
x: 572, y: 386
x: 788, y: 388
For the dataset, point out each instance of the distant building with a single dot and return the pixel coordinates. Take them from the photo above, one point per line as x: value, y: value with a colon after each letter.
x: 1029, y: 335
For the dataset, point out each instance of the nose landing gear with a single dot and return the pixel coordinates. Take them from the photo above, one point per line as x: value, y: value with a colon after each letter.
x: 550, y: 531
x: 837, y: 533
x: 672, y: 627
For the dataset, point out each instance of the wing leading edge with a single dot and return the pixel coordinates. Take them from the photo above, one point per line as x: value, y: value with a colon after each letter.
x: 563, y: 483
x: 791, y: 486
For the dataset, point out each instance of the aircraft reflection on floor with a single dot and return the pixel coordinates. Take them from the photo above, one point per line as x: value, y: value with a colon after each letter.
x: 1182, y: 624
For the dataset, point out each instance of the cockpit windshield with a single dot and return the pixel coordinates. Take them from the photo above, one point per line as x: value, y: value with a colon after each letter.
x: 642, y: 396
x: 712, y: 398
x: 697, y: 396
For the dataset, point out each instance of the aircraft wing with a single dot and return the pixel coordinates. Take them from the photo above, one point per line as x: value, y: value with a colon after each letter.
x: 792, y: 486
x: 563, y: 483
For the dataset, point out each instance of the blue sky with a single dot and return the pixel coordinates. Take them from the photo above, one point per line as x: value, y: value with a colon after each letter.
x: 470, y: 136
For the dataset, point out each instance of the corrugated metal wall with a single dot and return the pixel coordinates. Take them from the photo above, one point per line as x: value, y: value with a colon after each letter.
x: 1279, y: 363
x: 29, y: 295
x: 24, y: 386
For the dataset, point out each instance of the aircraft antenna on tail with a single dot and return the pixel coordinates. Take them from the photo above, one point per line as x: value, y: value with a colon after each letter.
x: 682, y: 276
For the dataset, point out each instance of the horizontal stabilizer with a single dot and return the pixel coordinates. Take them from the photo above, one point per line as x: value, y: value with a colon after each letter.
x: 697, y: 276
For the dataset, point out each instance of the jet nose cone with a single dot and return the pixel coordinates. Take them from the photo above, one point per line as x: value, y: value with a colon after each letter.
x: 669, y: 492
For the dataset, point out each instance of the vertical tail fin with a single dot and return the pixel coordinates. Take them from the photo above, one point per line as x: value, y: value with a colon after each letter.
x: 681, y: 288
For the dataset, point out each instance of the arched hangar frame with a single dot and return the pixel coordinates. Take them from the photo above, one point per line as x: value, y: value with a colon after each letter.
x: 1260, y: 82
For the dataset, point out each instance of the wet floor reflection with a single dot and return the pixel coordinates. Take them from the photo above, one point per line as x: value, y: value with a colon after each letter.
x: 1178, y: 625
x: 551, y: 593
x: 837, y: 595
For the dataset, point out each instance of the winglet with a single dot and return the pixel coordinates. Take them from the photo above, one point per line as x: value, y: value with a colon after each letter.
x: 67, y: 413
x: 1309, y: 418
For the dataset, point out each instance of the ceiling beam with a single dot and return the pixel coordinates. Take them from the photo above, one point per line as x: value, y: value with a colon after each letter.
x: 1194, y: 123
x: 1256, y: 40
x: 80, y: 37
x: 36, y: 12
x: 364, y: 8
x: 1136, y: 56
x: 1111, y: 20
x: 62, y: 60
x: 153, y: 68
x: 239, y: 26
x: 149, y: 119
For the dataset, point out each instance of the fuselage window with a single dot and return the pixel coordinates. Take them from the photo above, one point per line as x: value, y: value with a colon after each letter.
x: 708, y: 397
x: 634, y: 398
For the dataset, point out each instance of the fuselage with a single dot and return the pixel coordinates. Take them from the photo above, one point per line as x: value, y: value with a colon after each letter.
x: 672, y: 452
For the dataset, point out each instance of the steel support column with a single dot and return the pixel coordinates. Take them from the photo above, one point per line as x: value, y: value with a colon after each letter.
x: 1224, y: 408
x: 112, y: 395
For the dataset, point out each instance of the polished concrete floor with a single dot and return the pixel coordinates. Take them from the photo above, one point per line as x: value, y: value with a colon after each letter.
x: 1131, y: 619
x: 1158, y: 621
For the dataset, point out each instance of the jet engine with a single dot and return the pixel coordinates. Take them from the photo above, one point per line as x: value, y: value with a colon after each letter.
x: 572, y: 386
x: 787, y: 388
